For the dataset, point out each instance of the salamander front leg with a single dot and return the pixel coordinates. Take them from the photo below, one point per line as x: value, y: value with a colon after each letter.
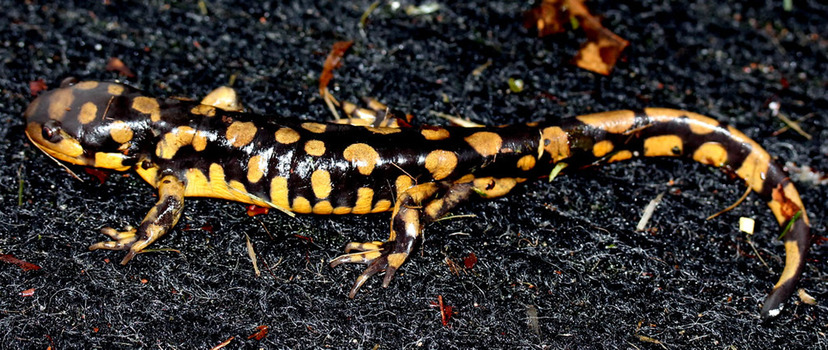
x: 160, y: 219
x: 416, y: 206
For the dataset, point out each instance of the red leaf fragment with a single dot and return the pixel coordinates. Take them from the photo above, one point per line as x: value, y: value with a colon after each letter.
x: 261, y: 333
x: 787, y: 206
x: 309, y: 239
x: 253, y: 210
x: 25, y: 266
x: 115, y: 64
x: 37, y: 86
x: 333, y: 61
x: 100, y: 175
x: 470, y: 261
x: 446, y: 311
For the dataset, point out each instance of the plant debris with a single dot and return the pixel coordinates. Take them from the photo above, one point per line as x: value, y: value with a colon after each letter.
x: 333, y: 61
x: 602, y: 48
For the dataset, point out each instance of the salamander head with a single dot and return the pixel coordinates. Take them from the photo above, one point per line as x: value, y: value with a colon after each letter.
x: 90, y: 123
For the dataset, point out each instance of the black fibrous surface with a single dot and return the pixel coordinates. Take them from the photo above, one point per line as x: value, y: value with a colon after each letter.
x: 568, y: 250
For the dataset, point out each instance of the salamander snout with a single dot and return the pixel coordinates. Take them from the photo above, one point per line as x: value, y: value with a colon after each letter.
x: 81, y: 124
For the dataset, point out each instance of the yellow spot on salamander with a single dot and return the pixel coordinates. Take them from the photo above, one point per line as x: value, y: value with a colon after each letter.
x: 466, y: 178
x: 110, y: 161
x: 315, y: 148
x: 240, y: 134
x: 489, y: 187
x: 754, y: 168
x: 664, y: 145
x: 323, y: 208
x: 397, y: 259
x: 616, y: 122
x: 237, y: 187
x: 147, y: 105
x: 150, y: 175
x: 286, y: 136
x: 86, y: 85
x: 234, y: 190
x: 711, y: 153
x: 435, y: 134
x: 434, y: 207
x: 363, y: 156
x: 88, y: 113
x: 486, y: 143
x: 601, y: 148
x: 115, y: 89
x: 173, y: 141
x: 402, y: 184
x: 69, y: 147
x: 526, y: 162
x: 60, y: 102
x: 365, y: 196
x: 199, y: 141
x: 279, y: 192
x: 383, y: 130
x: 317, y: 128
x: 255, y: 168
x: 621, y: 155
x: 301, y: 205
x: 205, y: 110
x: 120, y: 131
x: 321, y: 183
x: 382, y: 205
x: 554, y: 141
x: 440, y: 163
x: 197, y: 184
x: 342, y: 210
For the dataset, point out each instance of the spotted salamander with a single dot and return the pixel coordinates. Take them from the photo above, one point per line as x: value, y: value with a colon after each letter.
x: 213, y: 149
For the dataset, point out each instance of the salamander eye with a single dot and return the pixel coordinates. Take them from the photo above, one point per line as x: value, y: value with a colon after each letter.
x: 51, y: 131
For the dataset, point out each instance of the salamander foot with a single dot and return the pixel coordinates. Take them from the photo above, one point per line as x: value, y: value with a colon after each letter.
x: 379, y: 256
x: 122, y: 240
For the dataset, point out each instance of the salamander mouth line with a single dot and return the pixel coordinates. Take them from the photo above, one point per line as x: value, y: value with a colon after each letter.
x: 45, y: 151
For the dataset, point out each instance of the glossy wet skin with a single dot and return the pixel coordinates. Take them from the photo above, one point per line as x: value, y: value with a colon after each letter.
x: 212, y: 149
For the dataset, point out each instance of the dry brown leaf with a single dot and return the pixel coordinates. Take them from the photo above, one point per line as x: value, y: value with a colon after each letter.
x: 603, y: 47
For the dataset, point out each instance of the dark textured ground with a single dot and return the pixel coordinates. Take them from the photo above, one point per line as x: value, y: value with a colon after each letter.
x: 567, y: 250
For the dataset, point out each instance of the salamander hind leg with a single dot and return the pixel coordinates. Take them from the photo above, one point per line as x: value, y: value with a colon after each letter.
x: 416, y: 206
x: 160, y: 219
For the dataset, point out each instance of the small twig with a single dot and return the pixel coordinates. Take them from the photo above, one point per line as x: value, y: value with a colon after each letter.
x: 456, y: 120
x: 364, y: 18
x: 648, y: 212
x: 794, y: 125
x: 757, y: 253
x: 456, y: 217
x: 20, y: 186
x: 734, y: 205
x: 252, y: 254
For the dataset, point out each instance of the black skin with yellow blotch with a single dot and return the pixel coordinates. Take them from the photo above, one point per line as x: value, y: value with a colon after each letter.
x: 213, y: 149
